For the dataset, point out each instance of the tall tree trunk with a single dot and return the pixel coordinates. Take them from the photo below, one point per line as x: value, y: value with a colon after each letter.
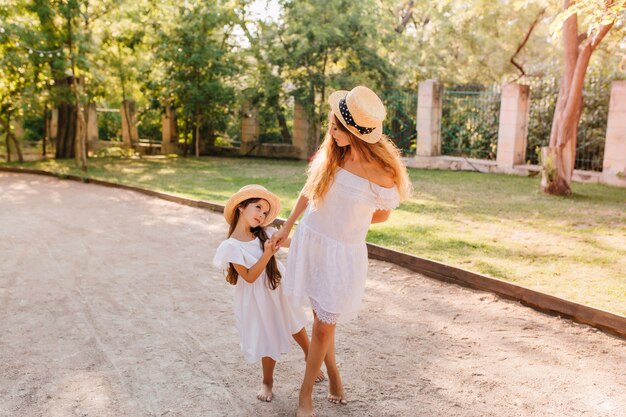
x: 10, y: 138
x: 197, y: 138
x: 8, y: 146
x: 559, y: 158
x: 65, y: 131
x: 80, y: 152
x: 186, y: 133
x: 46, y: 130
x: 80, y: 132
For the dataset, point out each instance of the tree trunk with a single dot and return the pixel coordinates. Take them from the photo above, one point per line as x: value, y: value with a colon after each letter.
x: 10, y: 138
x: 66, y: 131
x: 80, y: 132
x: 197, y: 138
x: 186, y: 136
x: 559, y: 158
x: 18, y: 149
x: 46, y: 130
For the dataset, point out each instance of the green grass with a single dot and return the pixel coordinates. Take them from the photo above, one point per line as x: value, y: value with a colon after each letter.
x: 498, y: 225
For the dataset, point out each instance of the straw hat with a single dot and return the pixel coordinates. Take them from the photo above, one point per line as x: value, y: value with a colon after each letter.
x: 360, y: 111
x: 252, y: 191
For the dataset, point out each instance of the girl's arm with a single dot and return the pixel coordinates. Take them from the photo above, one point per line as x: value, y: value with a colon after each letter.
x: 282, y: 235
x: 251, y: 274
x: 380, y: 216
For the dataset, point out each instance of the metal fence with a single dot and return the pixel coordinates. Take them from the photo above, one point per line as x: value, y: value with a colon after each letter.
x: 591, y: 129
x: 469, y: 123
x: 400, y: 123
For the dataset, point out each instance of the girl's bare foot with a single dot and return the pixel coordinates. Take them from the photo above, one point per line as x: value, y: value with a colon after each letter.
x: 265, y: 394
x: 320, y: 377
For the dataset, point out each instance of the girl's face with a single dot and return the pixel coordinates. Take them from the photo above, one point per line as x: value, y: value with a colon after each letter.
x: 339, y: 135
x: 255, y: 213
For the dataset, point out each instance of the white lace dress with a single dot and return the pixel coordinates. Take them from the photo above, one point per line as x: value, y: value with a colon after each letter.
x: 265, y: 318
x: 327, y: 261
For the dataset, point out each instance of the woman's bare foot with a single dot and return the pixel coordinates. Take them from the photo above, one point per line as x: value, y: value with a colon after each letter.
x: 265, y: 394
x: 302, y: 413
x: 320, y: 377
x: 336, y: 393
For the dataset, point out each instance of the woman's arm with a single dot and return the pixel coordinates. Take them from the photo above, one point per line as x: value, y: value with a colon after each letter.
x: 380, y: 216
x: 282, y: 235
x: 251, y: 274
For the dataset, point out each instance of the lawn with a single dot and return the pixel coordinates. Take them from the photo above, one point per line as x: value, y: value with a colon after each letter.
x: 498, y: 225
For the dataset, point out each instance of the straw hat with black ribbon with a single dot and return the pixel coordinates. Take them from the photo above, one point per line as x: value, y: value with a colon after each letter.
x: 252, y: 191
x: 361, y: 111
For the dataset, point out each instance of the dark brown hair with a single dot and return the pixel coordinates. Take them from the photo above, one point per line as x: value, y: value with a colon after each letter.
x: 271, y: 269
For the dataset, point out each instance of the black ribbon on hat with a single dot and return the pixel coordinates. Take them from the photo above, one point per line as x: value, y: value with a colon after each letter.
x: 347, y: 116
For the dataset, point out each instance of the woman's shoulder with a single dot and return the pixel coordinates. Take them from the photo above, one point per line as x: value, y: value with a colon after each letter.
x: 372, y: 172
x: 382, y: 176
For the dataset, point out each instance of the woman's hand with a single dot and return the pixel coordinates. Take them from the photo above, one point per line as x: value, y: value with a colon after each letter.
x: 280, y: 236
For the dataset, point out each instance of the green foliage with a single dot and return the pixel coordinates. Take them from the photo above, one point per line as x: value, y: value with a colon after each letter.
x: 469, y: 123
x: 198, y: 65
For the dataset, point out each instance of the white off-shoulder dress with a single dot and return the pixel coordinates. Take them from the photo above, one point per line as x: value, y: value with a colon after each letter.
x: 327, y: 261
x: 265, y: 318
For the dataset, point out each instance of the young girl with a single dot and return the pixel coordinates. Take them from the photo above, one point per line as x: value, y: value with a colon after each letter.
x: 264, y: 317
x: 355, y: 179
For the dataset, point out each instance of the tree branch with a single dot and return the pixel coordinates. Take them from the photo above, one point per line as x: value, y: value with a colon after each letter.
x: 523, y: 43
x: 407, y: 15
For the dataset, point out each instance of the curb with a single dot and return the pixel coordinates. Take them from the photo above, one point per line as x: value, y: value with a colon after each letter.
x: 606, y: 321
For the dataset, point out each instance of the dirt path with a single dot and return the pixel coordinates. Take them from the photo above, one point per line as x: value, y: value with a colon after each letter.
x: 109, y: 306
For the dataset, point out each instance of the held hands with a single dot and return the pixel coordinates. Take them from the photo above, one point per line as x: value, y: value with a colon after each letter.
x: 270, y: 247
x: 280, y: 236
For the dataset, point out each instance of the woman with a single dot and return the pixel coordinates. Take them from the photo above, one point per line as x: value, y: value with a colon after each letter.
x: 355, y: 179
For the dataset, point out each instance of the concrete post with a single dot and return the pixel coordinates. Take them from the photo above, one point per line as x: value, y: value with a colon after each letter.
x: 130, y: 136
x: 169, y: 134
x: 250, y: 129
x: 301, y: 130
x: 614, y: 165
x: 429, y: 106
x: 513, y: 129
x: 92, y: 125
x: 54, y: 125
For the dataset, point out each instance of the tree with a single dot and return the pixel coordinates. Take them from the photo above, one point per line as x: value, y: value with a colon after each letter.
x: 331, y: 45
x: 198, y: 67
x: 600, y: 16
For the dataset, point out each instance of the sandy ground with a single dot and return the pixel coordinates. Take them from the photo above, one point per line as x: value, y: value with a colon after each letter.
x: 109, y: 306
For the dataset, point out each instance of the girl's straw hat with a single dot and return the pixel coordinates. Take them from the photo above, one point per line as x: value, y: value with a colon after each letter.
x: 252, y: 191
x: 360, y: 111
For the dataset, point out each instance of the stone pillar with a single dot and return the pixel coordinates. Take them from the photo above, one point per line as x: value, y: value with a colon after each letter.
x: 250, y: 129
x: 429, y: 104
x: 301, y: 130
x: 513, y: 129
x: 130, y: 136
x: 92, y: 126
x: 54, y: 125
x: 170, y: 135
x: 614, y: 166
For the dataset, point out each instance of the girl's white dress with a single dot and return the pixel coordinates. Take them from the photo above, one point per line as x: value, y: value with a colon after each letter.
x: 265, y: 318
x: 327, y: 261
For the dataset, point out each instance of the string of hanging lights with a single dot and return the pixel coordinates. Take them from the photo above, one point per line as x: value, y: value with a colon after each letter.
x: 32, y: 50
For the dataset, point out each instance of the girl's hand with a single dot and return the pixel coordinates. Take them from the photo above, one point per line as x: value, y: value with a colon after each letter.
x: 280, y: 236
x: 270, y: 247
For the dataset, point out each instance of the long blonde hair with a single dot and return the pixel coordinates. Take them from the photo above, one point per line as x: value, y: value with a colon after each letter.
x: 329, y: 157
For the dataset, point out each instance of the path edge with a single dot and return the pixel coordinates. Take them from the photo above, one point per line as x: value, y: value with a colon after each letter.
x: 606, y: 321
